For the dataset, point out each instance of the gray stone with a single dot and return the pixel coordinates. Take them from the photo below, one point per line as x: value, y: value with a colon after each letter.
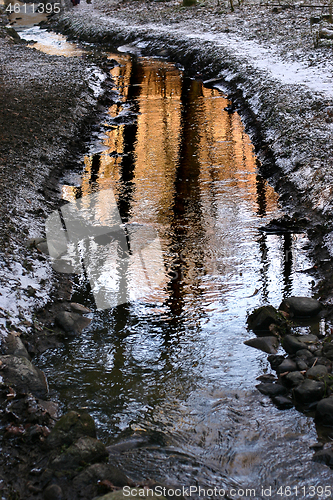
x: 100, y: 472
x: 265, y: 344
x: 301, y: 365
x: 301, y: 307
x: 86, y: 450
x: 304, y: 354
x: 261, y: 319
x: 53, y: 492
x: 72, y: 323
x: 324, y: 412
x: 291, y: 344
x: 23, y: 375
x: 275, y: 360
x: 287, y: 365
x: 293, y: 379
x: 282, y: 402
x: 317, y: 372
x: 271, y: 389
x: 328, y: 350
x: 71, y: 427
x: 12, y: 344
x: 79, y: 308
x: 309, y: 391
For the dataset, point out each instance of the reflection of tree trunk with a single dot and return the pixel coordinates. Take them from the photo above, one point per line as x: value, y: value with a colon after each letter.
x: 187, y: 240
x: 287, y: 263
x: 261, y: 196
x: 129, y: 136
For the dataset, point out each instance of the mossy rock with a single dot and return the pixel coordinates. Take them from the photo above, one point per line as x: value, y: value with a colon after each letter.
x: 70, y: 428
x: 267, y: 320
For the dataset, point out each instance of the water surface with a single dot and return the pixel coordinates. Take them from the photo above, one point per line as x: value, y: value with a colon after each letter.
x: 172, y: 365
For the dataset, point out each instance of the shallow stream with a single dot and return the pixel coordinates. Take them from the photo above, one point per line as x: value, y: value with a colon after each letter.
x: 169, y: 364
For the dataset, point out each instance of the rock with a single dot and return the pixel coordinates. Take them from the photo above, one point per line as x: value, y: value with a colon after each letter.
x: 328, y: 350
x: 71, y: 427
x: 324, y: 457
x: 282, y: 402
x: 300, y: 307
x: 324, y: 412
x: 21, y: 373
x: 100, y: 472
x: 275, y: 360
x: 317, y: 372
x: 287, y: 365
x: 304, y: 354
x: 266, y: 344
x: 72, y: 323
x: 53, y: 492
x: 123, y: 495
x: 271, y: 390
x: 261, y: 319
x: 301, y: 365
x: 43, y: 247
x: 79, y: 308
x: 309, y: 391
x: 291, y: 344
x: 293, y: 379
x: 12, y: 344
x: 86, y: 450
x: 33, y: 242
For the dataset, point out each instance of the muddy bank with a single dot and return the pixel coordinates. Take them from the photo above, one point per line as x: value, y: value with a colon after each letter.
x: 47, y: 106
x: 280, y: 84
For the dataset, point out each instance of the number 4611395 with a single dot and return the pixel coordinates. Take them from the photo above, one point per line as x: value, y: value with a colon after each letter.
x: 47, y: 8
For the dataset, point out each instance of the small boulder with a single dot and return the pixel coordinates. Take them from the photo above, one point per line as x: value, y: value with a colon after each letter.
x: 271, y: 389
x: 100, y: 472
x: 86, y: 450
x: 21, y: 373
x: 265, y: 344
x: 287, y: 365
x: 12, y: 344
x: 71, y: 427
x: 262, y: 318
x: 291, y: 344
x: 275, y: 360
x: 53, y: 492
x: 324, y: 412
x: 328, y: 350
x: 317, y: 372
x: 72, y: 323
x: 301, y: 365
x: 293, y: 379
x: 309, y: 391
x: 282, y: 402
x: 301, y: 307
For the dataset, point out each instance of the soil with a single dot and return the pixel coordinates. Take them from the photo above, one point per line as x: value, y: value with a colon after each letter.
x: 47, y: 108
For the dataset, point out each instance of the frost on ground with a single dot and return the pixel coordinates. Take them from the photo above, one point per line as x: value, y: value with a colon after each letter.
x: 272, y: 54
